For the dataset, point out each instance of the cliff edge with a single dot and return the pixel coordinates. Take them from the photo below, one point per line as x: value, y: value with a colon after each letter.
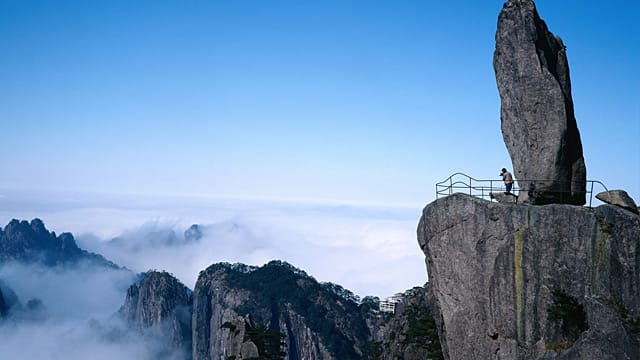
x: 533, y: 282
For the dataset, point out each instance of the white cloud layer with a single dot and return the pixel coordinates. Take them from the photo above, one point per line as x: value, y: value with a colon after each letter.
x: 369, y: 250
x: 77, y: 320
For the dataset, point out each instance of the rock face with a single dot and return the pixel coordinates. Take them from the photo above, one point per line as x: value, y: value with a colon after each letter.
x: 162, y: 305
x: 538, y: 122
x: 515, y: 282
x: 411, y: 333
x: 241, y: 312
x: 618, y: 198
x: 318, y: 321
x: 239, y: 344
x: 31, y: 242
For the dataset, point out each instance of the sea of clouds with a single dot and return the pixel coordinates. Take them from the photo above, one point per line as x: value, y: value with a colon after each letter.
x: 370, y: 250
x: 76, y: 316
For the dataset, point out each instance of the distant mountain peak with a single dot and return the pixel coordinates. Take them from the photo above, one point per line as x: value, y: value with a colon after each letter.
x: 31, y: 242
x: 193, y: 233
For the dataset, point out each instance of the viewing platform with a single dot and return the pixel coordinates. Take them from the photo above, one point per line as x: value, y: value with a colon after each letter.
x: 490, y: 189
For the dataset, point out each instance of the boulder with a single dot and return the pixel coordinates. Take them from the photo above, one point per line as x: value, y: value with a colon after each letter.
x: 537, y: 117
x: 618, y: 198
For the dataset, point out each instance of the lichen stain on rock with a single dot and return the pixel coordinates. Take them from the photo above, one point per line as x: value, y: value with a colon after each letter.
x: 600, y: 252
x: 519, y: 280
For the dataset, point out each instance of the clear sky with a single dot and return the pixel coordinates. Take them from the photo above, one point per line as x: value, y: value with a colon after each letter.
x: 356, y: 101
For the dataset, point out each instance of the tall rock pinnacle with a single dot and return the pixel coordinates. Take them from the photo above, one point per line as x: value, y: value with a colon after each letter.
x: 538, y: 123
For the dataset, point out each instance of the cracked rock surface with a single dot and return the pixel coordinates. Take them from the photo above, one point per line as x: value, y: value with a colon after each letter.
x: 537, y: 116
x: 493, y: 267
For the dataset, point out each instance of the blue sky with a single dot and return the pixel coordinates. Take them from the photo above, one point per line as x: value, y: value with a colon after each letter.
x: 350, y: 101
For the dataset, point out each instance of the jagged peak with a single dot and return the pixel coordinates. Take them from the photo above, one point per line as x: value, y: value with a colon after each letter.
x: 38, y: 225
x: 30, y: 241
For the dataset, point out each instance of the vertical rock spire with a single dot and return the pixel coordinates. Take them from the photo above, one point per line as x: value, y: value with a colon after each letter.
x: 537, y: 117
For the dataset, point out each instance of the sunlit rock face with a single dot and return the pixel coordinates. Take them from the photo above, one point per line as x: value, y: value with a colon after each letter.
x: 317, y: 321
x: 238, y: 311
x: 494, y: 268
x: 537, y: 115
x: 161, y: 306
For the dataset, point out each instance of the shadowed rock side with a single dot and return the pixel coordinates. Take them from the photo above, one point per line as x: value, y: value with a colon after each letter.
x: 3, y: 306
x: 533, y: 282
x: 8, y: 300
x: 160, y: 305
x: 14, y: 310
x: 537, y: 116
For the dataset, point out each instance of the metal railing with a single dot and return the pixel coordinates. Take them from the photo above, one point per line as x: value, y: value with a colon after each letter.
x: 463, y: 183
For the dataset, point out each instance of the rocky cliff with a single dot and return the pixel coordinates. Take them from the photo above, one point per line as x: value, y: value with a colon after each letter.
x: 31, y: 242
x: 411, y: 332
x: 317, y: 321
x: 538, y: 122
x: 533, y: 282
x: 161, y: 304
x: 542, y: 278
x: 236, y: 311
x: 279, y: 312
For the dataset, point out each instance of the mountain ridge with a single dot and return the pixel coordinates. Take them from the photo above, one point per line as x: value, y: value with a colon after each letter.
x: 31, y: 242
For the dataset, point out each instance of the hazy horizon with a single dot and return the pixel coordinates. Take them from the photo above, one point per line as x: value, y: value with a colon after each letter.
x: 370, y: 250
